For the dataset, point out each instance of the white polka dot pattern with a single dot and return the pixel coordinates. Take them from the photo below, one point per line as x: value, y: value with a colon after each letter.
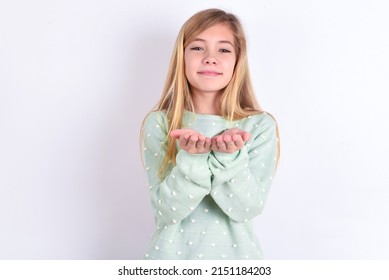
x: 205, y: 205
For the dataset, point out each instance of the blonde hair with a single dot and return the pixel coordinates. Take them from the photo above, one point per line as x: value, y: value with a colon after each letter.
x: 238, y: 98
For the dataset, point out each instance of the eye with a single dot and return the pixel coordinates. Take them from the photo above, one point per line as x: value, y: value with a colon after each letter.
x: 196, y: 49
x: 224, y: 51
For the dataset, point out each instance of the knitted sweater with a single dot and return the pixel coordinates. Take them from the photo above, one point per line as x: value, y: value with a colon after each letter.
x: 204, y: 207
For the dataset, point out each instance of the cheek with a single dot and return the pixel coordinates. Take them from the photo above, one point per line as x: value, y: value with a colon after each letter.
x: 187, y: 66
x: 231, y: 66
x: 188, y: 63
x: 188, y: 72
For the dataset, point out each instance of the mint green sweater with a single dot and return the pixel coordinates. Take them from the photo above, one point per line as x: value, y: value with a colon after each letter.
x: 204, y: 207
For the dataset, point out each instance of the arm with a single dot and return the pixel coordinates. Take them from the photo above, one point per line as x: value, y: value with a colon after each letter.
x: 176, y: 195
x: 241, y: 180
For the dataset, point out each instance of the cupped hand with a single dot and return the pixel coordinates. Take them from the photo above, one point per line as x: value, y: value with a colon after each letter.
x: 191, y: 141
x: 230, y: 141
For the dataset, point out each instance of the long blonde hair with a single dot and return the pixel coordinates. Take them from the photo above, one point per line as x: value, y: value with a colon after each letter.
x: 238, y: 98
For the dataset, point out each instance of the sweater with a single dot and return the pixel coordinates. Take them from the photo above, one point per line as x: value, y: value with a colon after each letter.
x: 205, y: 205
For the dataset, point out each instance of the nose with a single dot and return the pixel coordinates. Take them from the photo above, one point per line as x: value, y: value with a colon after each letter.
x: 209, y: 59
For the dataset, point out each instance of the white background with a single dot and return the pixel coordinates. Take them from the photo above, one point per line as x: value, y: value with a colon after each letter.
x: 77, y: 78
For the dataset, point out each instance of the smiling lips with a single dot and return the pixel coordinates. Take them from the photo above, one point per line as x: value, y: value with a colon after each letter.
x: 209, y: 73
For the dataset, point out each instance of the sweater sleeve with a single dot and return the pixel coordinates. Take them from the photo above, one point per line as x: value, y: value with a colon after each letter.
x: 241, y: 180
x: 184, y: 186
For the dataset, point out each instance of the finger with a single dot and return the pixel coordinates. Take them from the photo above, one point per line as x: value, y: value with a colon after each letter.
x: 230, y: 143
x: 238, y: 141
x: 217, y: 138
x: 191, y: 145
x: 231, y: 147
x: 221, y: 144
x: 207, y: 143
x: 214, y: 146
x: 194, y: 138
x: 214, y: 143
x: 200, y: 143
x: 245, y: 136
x: 227, y: 138
x: 175, y: 133
x: 183, y: 141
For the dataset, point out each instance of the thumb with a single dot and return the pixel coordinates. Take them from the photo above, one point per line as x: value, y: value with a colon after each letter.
x: 175, y: 133
x: 246, y: 136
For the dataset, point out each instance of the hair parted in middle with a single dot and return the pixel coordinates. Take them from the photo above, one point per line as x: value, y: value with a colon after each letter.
x: 237, y: 99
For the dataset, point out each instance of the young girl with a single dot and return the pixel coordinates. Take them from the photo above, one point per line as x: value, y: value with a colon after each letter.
x: 210, y: 152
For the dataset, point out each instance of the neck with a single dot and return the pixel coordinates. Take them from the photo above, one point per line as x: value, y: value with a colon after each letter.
x: 206, y: 103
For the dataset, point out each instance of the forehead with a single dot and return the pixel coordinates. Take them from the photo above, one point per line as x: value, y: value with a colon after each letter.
x: 220, y: 32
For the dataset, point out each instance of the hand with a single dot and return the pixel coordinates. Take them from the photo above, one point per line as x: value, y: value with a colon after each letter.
x: 191, y: 141
x: 230, y: 141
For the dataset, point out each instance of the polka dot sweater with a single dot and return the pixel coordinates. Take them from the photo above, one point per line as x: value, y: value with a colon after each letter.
x: 204, y: 207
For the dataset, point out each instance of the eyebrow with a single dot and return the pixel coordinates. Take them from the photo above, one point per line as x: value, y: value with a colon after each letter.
x: 222, y: 41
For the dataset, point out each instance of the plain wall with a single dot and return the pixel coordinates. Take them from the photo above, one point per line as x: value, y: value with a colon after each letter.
x: 78, y: 77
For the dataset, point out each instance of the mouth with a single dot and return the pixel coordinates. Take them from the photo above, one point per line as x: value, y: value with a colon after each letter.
x: 210, y: 73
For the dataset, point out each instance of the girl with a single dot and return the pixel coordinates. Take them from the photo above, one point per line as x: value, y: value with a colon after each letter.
x: 210, y: 152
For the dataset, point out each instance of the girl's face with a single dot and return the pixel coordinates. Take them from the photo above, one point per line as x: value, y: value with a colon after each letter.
x: 210, y: 60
